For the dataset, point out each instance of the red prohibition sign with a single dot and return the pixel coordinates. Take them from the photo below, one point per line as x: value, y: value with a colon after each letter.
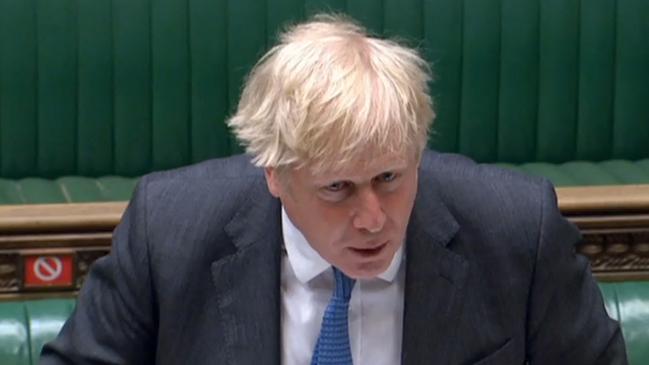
x: 48, y: 268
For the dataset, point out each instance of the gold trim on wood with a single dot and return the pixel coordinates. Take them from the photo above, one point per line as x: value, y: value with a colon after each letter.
x: 60, y: 217
x: 617, y: 255
x: 615, y: 198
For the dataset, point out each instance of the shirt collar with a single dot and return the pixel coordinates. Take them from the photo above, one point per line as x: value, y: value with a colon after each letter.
x: 307, y: 262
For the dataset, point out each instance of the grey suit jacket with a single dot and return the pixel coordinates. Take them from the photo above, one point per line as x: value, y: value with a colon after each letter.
x: 194, y: 275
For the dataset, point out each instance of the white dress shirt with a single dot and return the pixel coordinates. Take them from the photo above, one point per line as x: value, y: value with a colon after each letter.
x: 375, y: 309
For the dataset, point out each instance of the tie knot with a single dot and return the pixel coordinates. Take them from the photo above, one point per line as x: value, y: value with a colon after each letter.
x: 344, y: 285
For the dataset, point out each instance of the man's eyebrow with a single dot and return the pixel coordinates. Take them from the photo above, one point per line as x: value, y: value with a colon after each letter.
x: 397, y: 167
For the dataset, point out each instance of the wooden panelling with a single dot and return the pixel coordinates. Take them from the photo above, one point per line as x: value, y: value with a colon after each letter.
x: 614, y: 221
x: 39, y: 218
x: 603, y: 199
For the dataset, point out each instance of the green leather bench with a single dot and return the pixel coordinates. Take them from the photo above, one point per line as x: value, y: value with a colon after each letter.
x: 95, y: 92
x: 26, y: 325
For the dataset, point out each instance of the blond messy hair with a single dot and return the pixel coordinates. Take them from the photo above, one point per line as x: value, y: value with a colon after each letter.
x: 329, y: 92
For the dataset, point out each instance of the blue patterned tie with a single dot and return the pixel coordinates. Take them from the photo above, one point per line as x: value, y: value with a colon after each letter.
x: 333, y: 346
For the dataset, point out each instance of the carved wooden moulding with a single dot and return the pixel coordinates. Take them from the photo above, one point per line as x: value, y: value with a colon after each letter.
x: 620, y: 254
x: 46, y: 250
x: 32, y: 271
x: 10, y: 278
x: 614, y: 222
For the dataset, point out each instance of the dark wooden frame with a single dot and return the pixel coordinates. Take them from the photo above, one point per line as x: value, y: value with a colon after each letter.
x: 614, y: 221
x: 81, y: 230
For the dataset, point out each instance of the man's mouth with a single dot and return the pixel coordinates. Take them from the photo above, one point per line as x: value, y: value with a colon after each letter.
x: 369, y: 252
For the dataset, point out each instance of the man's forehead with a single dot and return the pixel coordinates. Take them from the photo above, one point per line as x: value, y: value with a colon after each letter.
x: 364, y: 166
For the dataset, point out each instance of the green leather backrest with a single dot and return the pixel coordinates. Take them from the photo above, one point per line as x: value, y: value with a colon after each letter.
x: 69, y: 189
x: 26, y: 326
x: 123, y: 87
x: 628, y: 302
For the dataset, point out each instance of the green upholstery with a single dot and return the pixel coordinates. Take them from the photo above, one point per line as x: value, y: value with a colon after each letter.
x: 579, y: 173
x: 71, y: 189
x: 26, y: 326
x: 628, y: 302
x: 125, y: 87
x: 76, y: 189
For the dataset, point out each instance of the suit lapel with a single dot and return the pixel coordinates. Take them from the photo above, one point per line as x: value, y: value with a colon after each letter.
x: 247, y: 284
x: 435, y: 279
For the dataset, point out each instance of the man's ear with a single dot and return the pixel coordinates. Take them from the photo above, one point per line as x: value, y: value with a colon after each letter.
x: 273, y: 181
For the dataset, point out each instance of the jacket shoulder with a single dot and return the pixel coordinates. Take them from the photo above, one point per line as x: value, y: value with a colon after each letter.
x: 498, y: 202
x: 203, y: 181
x: 460, y: 181
x: 191, y: 203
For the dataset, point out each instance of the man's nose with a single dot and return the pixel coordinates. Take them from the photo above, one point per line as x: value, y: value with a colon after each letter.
x: 369, y: 214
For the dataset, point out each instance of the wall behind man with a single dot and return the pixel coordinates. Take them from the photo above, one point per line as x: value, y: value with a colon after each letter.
x: 124, y: 87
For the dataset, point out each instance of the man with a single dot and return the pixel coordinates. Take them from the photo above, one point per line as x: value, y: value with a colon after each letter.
x: 350, y: 243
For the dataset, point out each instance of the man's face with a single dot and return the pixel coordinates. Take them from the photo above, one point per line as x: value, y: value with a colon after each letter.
x: 355, y: 219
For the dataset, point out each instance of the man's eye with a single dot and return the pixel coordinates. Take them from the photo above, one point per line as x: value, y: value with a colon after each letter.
x: 337, y: 186
x: 387, y: 177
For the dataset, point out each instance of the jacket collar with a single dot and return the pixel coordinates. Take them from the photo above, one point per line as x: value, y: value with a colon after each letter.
x: 435, y: 278
x: 248, y: 281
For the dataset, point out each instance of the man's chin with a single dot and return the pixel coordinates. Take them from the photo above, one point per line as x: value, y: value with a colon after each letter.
x: 367, y: 270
